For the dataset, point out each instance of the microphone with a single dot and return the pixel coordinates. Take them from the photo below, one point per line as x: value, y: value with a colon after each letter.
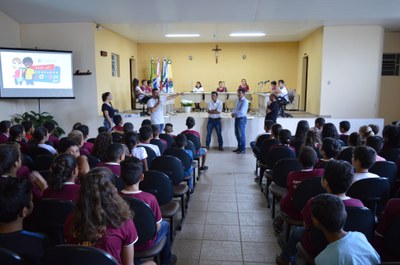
x: 266, y: 81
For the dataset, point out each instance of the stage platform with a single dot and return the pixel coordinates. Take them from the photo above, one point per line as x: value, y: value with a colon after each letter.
x: 255, y: 124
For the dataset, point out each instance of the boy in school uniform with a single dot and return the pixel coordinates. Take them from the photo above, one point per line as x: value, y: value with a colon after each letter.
x: 344, y: 248
x: 15, y: 205
x: 131, y: 175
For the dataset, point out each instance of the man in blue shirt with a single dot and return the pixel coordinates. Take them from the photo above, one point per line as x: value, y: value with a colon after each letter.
x: 239, y: 113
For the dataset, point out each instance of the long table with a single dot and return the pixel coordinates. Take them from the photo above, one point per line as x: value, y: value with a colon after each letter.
x: 229, y: 98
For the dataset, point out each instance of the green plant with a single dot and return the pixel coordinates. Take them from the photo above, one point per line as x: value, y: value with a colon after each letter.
x: 186, y: 103
x: 38, y: 119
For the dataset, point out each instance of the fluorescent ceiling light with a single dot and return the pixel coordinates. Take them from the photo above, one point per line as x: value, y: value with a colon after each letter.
x: 182, y: 35
x: 248, y: 34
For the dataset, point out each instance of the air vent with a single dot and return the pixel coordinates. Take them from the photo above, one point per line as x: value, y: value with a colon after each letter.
x: 390, y: 64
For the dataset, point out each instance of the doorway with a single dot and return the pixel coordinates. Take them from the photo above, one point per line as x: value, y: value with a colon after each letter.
x: 304, y: 84
x: 132, y: 71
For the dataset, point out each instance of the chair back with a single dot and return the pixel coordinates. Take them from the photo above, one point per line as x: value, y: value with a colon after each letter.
x: 181, y: 155
x: 168, y: 138
x: 195, y: 140
x: 282, y: 168
x: 50, y: 216
x: 190, y: 146
x: 262, y: 138
x: 159, y: 144
x: 43, y: 162
x: 265, y: 147
x: 390, y: 154
x: 277, y: 153
x: 150, y: 154
x: 346, y: 154
x: 171, y: 166
x: 360, y: 219
x: 144, y: 219
x: 306, y: 190
x: 118, y: 183
x: 158, y: 184
x: 9, y: 257
x: 391, y: 239
x: 373, y: 192
x: 385, y: 169
x: 93, y: 161
x: 77, y: 255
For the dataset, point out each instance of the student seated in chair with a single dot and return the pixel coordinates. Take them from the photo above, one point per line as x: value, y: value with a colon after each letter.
x: 307, y: 158
x: 344, y: 248
x: 338, y: 176
x: 132, y: 174
x: 329, y: 150
x: 181, y: 143
x: 363, y: 159
x: 15, y: 205
x: 190, y: 122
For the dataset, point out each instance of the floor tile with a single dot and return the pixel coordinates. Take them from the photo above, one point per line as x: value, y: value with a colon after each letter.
x: 187, y: 248
x: 222, y: 206
x: 260, y: 252
x: 222, y: 232
x: 222, y: 218
x: 257, y: 234
x: 196, y: 217
x: 221, y: 250
x: 192, y: 231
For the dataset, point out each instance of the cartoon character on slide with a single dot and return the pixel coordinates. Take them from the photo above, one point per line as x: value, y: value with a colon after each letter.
x: 29, y: 72
x: 18, y: 69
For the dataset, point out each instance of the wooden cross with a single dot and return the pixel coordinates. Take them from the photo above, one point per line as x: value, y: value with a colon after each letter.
x: 216, y: 50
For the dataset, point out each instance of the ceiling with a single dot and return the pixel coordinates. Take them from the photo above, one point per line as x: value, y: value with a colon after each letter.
x: 147, y: 21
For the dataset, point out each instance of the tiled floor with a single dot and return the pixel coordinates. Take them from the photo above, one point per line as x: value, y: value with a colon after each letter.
x: 228, y: 221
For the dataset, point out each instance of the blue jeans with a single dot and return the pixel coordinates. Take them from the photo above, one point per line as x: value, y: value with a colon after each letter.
x: 289, y: 251
x: 214, y: 123
x: 161, y: 126
x: 240, y: 132
x: 107, y: 125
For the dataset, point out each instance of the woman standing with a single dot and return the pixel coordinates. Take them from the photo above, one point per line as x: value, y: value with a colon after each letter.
x: 198, y: 89
x: 108, y: 110
x: 244, y: 85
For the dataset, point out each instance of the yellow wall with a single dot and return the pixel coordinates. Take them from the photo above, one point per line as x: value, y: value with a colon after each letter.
x: 263, y: 61
x: 389, y: 107
x: 311, y: 46
x: 119, y: 87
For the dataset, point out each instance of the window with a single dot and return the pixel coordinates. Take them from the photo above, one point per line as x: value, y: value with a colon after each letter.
x: 390, y: 64
x: 114, y: 65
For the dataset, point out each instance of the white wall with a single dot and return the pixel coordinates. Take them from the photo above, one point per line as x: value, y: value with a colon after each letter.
x: 78, y: 38
x: 351, y: 65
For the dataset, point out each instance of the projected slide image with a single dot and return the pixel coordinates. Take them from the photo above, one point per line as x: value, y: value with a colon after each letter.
x: 36, y: 70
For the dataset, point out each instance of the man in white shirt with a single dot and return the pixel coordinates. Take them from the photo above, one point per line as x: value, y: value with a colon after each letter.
x: 156, y: 107
x: 281, y: 90
x: 214, y: 110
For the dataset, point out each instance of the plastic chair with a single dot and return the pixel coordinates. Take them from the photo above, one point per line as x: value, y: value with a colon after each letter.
x: 279, y: 178
x: 150, y: 154
x: 159, y: 184
x: 197, y: 145
x: 50, y: 216
x: 173, y: 167
x: 346, y: 154
x: 386, y: 169
x: 170, y: 140
x: 9, y: 257
x: 43, y: 162
x: 77, y: 255
x: 93, y: 161
x: 391, y: 239
x: 390, y: 154
x: 190, y: 146
x: 373, y: 192
x: 160, y: 145
x: 256, y: 149
x: 306, y: 190
x: 360, y: 219
x: 186, y: 161
x: 146, y: 227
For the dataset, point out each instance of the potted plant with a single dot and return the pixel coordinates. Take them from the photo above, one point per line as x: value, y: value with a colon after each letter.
x: 38, y: 119
x: 187, y: 104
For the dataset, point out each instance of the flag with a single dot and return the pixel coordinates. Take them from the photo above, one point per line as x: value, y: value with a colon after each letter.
x: 157, y: 80
x: 164, y: 76
x: 153, y: 74
x: 169, y: 82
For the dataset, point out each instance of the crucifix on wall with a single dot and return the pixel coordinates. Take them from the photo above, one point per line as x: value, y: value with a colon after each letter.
x: 216, y: 50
